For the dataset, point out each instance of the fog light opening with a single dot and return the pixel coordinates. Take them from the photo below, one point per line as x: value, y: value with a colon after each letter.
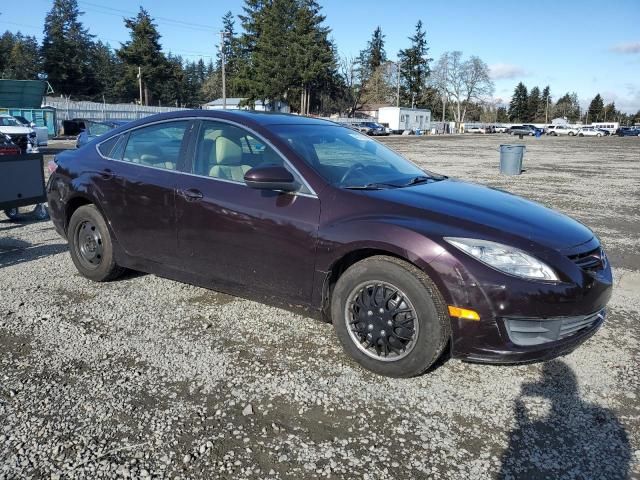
x: 464, y: 313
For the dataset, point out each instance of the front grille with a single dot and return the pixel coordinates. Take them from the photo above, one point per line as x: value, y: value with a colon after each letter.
x: 533, y: 331
x: 590, y: 261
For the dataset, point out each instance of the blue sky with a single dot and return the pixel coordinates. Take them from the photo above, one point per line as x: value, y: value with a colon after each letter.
x: 584, y: 46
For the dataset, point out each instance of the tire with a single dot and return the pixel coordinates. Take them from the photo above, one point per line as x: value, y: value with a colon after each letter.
x: 90, y: 245
x: 422, y: 310
x: 571, y: 134
x: 12, y: 213
x: 599, y: 135
x: 581, y: 134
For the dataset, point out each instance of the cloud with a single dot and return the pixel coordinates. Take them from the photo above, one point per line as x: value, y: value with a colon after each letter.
x: 628, y: 101
x: 499, y: 71
x: 628, y: 47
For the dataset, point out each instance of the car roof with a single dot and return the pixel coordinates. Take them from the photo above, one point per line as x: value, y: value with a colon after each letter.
x: 248, y: 117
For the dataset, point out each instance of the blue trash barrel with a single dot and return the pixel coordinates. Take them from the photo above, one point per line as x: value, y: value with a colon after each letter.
x: 511, y: 159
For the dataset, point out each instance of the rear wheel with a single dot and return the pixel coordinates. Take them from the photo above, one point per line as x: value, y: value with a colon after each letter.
x: 390, y: 317
x: 90, y: 245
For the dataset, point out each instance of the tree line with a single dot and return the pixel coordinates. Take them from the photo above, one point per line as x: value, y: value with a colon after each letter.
x: 282, y: 51
x: 537, y: 106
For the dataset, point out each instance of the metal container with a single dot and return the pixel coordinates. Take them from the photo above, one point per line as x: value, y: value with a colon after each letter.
x: 511, y: 159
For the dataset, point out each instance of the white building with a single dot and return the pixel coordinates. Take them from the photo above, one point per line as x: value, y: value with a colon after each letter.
x: 401, y: 118
x: 233, y: 103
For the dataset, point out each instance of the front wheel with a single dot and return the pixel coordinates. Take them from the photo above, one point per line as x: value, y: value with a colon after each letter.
x: 390, y: 317
x: 90, y: 245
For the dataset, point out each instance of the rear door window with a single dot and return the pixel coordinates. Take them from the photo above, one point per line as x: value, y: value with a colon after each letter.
x: 157, y: 145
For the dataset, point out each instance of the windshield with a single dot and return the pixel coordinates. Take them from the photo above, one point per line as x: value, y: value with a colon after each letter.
x: 9, y: 122
x: 346, y: 158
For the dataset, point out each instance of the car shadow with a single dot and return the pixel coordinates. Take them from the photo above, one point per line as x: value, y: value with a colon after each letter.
x: 576, y: 439
x: 14, y: 251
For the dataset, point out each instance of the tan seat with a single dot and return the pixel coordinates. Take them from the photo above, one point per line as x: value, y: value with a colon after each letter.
x: 229, y: 164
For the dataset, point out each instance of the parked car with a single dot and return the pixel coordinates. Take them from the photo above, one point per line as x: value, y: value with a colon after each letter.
x: 375, y: 129
x: 42, y: 133
x: 501, y: 128
x: 93, y: 130
x: 604, y: 131
x: 359, y: 127
x: 23, y: 136
x: 475, y: 129
x: 300, y: 211
x: 628, y: 132
x: 536, y: 130
x: 589, y: 132
x: 557, y: 130
x: 7, y: 147
x: 521, y: 130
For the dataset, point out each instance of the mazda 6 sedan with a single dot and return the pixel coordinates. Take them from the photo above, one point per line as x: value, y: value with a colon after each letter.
x: 303, y: 213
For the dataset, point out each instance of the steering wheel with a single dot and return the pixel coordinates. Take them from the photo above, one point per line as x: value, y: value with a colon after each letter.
x: 350, y: 170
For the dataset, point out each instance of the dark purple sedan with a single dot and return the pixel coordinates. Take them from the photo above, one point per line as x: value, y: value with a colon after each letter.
x: 304, y: 213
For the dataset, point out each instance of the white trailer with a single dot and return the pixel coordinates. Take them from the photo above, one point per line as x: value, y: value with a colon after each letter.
x: 401, y: 118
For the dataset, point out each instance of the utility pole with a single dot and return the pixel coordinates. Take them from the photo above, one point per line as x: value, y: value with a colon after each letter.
x: 222, y: 62
x: 140, y: 83
x: 399, y: 63
x: 546, y: 111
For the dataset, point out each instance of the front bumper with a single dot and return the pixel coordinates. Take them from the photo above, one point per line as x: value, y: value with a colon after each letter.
x: 505, y: 351
x: 521, y: 321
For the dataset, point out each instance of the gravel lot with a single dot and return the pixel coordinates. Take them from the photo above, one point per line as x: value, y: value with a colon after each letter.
x: 148, y: 378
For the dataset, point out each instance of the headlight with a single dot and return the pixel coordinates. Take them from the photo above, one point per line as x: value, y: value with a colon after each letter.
x: 504, y: 258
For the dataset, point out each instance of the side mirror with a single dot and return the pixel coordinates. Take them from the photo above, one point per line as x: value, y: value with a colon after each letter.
x: 270, y: 177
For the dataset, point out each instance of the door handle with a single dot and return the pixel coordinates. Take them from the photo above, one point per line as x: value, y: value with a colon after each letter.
x: 191, y: 194
x: 106, y: 174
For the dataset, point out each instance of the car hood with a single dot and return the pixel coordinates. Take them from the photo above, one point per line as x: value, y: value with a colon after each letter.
x: 16, y: 130
x: 496, y: 213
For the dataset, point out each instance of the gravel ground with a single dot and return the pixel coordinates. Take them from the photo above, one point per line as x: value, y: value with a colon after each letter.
x: 148, y: 378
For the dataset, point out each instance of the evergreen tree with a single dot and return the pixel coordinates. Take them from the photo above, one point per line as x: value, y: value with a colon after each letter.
x: 414, y: 67
x: 502, y: 115
x: 19, y: 57
x: 251, y: 21
x: 518, y: 108
x: 314, y: 53
x: 544, y: 110
x: 107, y: 69
x: 596, y: 108
x: 201, y: 71
x: 143, y: 51
x: 609, y: 112
x: 567, y: 107
x: 533, y: 105
x: 66, y: 50
x: 6, y: 44
x: 284, y: 52
x: 374, y: 55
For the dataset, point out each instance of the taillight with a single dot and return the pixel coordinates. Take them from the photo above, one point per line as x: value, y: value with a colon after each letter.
x: 52, y: 166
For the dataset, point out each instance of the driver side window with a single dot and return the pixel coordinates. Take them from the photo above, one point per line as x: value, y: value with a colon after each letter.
x: 228, y: 152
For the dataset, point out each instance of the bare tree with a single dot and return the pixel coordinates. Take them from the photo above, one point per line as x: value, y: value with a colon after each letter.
x: 462, y: 82
x: 351, y: 72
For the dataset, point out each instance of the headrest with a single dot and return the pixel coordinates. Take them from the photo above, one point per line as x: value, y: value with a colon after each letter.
x: 228, y: 152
